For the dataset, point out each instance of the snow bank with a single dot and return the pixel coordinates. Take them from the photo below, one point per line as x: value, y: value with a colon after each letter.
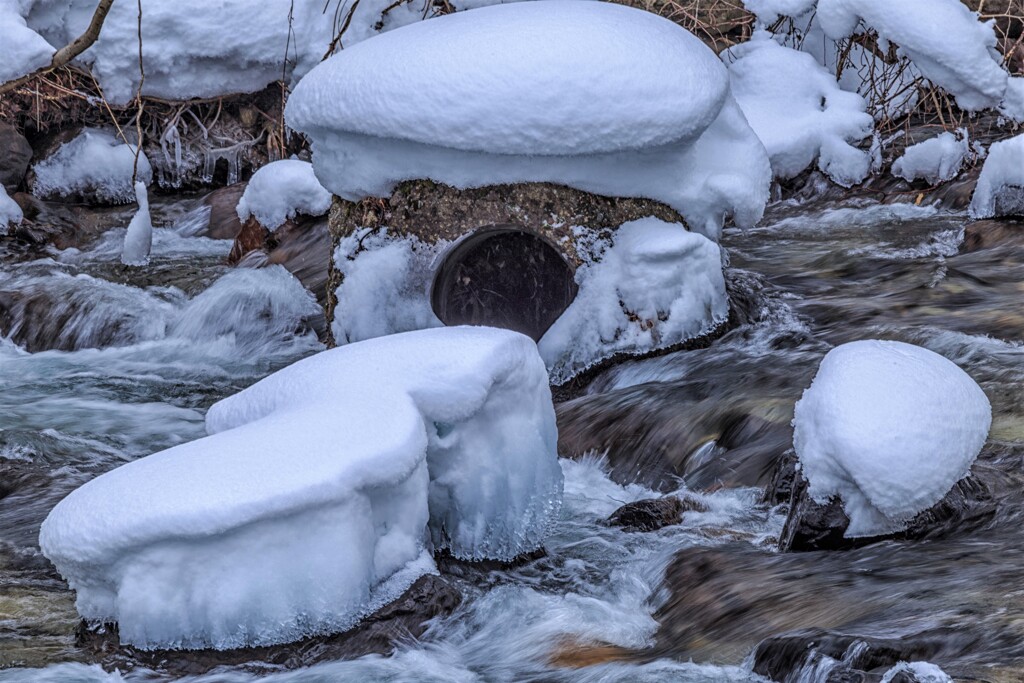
x: 22, y: 50
x: 138, y: 240
x: 281, y: 190
x: 936, y: 160
x: 655, y: 286
x: 319, y: 493
x: 95, y: 165
x: 889, y: 427
x: 798, y: 111
x: 597, y: 96
x: 943, y: 39
x: 1000, y: 189
x: 10, y: 212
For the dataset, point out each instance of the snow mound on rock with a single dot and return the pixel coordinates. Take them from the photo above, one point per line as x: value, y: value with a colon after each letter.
x: 10, y: 212
x: 656, y: 285
x: 94, y: 165
x: 890, y: 428
x: 798, y: 111
x: 936, y: 160
x: 1000, y: 189
x: 280, y: 191
x: 597, y: 96
x: 319, y: 493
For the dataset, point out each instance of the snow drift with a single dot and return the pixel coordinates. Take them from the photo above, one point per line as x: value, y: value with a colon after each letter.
x: 890, y: 428
x: 319, y: 493
x: 596, y: 96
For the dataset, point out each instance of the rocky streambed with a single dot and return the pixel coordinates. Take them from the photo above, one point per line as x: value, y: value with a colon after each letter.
x: 100, y: 365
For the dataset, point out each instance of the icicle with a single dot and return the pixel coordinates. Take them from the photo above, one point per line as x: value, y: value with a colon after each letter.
x: 139, y: 238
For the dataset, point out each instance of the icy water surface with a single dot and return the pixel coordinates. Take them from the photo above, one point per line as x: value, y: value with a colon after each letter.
x: 103, y: 366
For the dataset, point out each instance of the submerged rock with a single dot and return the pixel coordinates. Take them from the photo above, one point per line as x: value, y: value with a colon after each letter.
x: 654, y: 513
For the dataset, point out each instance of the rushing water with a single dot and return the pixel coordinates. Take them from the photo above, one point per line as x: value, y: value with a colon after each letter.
x: 111, y: 365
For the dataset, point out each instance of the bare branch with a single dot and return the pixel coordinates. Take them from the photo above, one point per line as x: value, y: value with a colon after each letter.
x: 69, y: 51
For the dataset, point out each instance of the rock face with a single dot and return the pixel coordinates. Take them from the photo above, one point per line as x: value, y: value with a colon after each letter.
x: 429, y: 597
x: 224, y: 223
x: 15, y: 154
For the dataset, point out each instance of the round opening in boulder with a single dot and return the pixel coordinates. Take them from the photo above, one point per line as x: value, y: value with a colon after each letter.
x: 503, y: 276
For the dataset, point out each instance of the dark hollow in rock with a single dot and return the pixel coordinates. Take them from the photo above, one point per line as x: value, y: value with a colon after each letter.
x: 652, y: 514
x: 405, y: 618
x: 503, y: 276
x: 815, y: 526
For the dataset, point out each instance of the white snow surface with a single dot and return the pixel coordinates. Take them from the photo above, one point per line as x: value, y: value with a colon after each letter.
x: 22, y: 50
x: 1000, y: 189
x: 138, y: 239
x: 319, y: 493
x: 280, y: 191
x: 768, y: 11
x: 922, y: 672
x: 798, y: 111
x: 656, y: 285
x: 890, y: 428
x: 597, y: 96
x: 943, y: 39
x: 935, y: 160
x: 10, y: 212
x: 95, y: 165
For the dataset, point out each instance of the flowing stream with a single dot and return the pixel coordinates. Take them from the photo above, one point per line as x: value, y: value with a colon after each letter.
x: 104, y: 365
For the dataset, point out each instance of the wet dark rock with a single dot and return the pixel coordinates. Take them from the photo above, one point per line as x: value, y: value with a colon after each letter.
x: 449, y: 565
x: 987, y: 234
x: 815, y: 526
x: 405, y: 618
x: 15, y: 154
x: 224, y: 223
x: 654, y: 513
x: 252, y: 237
x: 303, y: 247
x: 45, y: 223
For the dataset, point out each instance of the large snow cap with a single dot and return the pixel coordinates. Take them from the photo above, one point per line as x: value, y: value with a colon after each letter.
x: 598, y: 96
x: 320, y: 493
x: 1000, y: 189
x: 890, y: 428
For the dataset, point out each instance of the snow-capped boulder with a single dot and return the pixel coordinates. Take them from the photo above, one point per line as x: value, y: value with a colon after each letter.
x: 936, y: 160
x: 95, y: 167
x: 10, y: 212
x: 320, y: 493
x: 889, y: 428
x: 799, y: 111
x: 1000, y: 189
x: 282, y: 190
x: 138, y: 239
x: 596, y: 96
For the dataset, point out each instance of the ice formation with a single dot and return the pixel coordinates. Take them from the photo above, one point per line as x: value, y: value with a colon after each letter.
x: 936, y: 160
x: 10, y: 212
x: 919, y: 672
x: 890, y: 428
x: 655, y: 286
x: 596, y: 96
x: 281, y: 190
x: 1000, y: 189
x: 798, y: 111
x: 319, y: 493
x: 95, y: 165
x: 138, y: 240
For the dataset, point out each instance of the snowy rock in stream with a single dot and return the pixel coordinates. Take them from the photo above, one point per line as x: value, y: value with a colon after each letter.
x: 138, y: 239
x: 10, y: 212
x: 596, y: 96
x: 1000, y: 189
x: 95, y: 167
x: 889, y: 428
x: 319, y: 494
x: 281, y: 190
x: 936, y: 160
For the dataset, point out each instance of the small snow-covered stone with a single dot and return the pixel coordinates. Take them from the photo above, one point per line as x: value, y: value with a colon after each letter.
x: 94, y: 166
x: 320, y: 493
x: 889, y: 428
x: 916, y: 672
x: 280, y: 191
x: 798, y: 111
x: 138, y: 240
x: 1000, y: 189
x: 10, y: 212
x: 936, y: 160
x: 597, y: 96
